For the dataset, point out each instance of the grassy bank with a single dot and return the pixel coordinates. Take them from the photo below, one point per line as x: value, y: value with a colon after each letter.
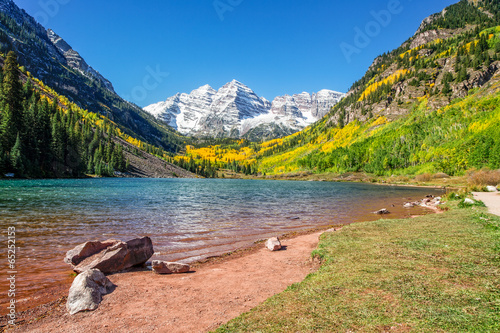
x: 432, y: 273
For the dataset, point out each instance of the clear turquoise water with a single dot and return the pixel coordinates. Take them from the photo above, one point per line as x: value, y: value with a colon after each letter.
x: 187, y: 219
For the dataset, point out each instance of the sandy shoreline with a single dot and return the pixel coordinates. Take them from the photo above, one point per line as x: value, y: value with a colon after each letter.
x: 217, y: 291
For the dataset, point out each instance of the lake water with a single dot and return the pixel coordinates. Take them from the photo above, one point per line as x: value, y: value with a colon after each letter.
x: 187, y: 219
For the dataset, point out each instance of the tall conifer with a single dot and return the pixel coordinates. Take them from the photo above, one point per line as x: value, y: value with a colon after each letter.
x: 12, y: 101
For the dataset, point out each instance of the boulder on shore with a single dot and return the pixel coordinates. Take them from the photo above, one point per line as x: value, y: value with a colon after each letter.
x: 86, y: 291
x: 491, y: 189
x: 164, y: 267
x: 110, y: 256
x: 383, y: 211
x: 87, y: 249
x: 273, y: 244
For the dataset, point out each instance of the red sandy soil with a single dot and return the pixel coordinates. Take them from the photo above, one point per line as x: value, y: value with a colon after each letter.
x: 200, y: 301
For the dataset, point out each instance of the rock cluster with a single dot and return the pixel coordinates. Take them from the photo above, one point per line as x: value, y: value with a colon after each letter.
x: 428, y: 201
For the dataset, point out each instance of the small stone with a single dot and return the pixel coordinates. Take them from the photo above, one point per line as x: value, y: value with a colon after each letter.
x: 165, y: 267
x: 86, y: 291
x: 469, y: 201
x: 408, y: 205
x: 273, y: 244
x: 491, y: 189
x: 383, y: 211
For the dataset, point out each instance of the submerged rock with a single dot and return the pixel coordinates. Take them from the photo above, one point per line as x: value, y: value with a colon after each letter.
x: 86, y: 291
x: 273, y: 244
x: 164, y: 267
x: 110, y: 256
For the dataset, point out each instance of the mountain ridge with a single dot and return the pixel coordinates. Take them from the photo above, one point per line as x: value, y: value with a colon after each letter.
x: 50, y: 58
x: 236, y: 111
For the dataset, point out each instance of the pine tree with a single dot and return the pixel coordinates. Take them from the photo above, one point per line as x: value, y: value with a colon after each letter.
x: 7, y: 130
x: 462, y: 75
x: 4, y: 162
x: 90, y: 167
x: 12, y: 100
x: 487, y: 61
x: 58, y: 139
x: 446, y: 88
x: 17, y: 158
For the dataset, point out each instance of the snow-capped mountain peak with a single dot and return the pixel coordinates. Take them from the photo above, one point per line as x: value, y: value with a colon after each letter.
x: 235, y: 111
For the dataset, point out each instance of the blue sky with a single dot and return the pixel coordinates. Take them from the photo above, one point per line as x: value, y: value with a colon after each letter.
x: 152, y: 49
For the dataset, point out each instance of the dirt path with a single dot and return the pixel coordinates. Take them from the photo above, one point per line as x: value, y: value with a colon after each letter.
x: 194, y: 302
x: 491, y: 200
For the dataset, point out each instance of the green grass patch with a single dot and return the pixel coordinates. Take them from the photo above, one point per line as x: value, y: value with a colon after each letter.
x: 435, y: 273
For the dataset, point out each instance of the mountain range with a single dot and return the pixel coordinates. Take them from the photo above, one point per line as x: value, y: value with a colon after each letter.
x: 428, y: 105
x: 236, y: 111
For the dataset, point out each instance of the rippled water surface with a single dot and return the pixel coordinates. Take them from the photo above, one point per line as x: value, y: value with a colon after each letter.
x: 186, y: 219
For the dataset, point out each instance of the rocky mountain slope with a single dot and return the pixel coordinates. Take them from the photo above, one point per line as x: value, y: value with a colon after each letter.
x: 236, y: 111
x: 49, y: 58
x: 439, y: 63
